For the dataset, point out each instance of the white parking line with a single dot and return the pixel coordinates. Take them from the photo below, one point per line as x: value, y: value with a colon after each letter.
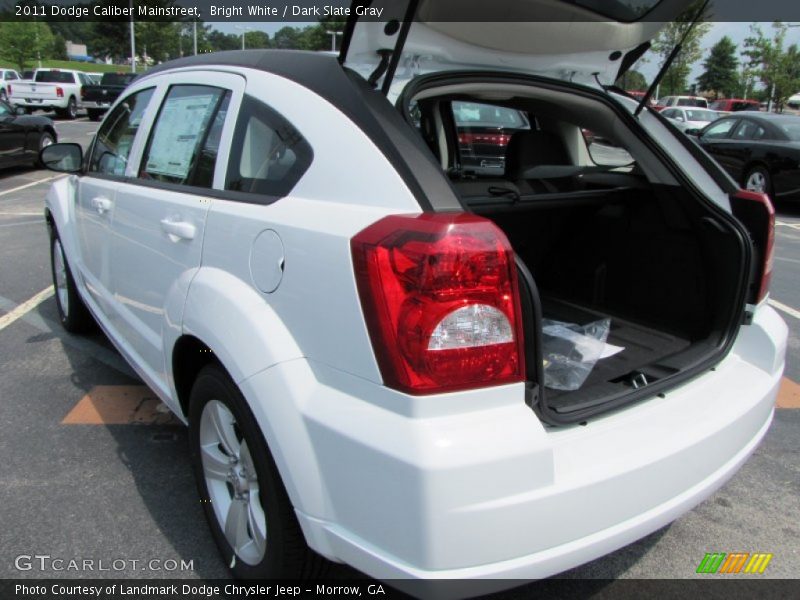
x: 784, y: 224
x: 24, y: 308
x: 31, y: 184
x: 24, y: 214
x: 787, y: 309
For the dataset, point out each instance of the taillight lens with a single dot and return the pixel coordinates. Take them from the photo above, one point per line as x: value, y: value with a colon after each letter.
x: 60, y: 92
x: 9, y: 89
x: 755, y: 211
x: 440, y: 299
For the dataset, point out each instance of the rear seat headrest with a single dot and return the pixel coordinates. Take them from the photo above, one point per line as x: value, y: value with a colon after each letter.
x: 528, y: 149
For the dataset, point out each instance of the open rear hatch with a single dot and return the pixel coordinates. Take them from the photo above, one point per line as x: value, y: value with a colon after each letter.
x: 585, y: 41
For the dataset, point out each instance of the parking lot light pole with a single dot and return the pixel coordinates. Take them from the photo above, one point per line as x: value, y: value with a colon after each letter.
x: 333, y: 35
x: 243, y: 30
x: 133, y: 41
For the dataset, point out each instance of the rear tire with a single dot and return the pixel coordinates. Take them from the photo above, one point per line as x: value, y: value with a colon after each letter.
x: 71, y: 111
x: 94, y: 115
x: 45, y: 140
x: 72, y: 312
x: 758, y: 179
x: 3, y: 96
x: 245, y: 502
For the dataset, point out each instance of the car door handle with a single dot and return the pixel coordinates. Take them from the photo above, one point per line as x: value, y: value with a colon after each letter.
x: 178, y: 230
x: 101, y: 205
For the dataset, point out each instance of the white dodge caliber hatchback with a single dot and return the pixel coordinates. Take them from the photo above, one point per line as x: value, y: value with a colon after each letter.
x: 391, y: 358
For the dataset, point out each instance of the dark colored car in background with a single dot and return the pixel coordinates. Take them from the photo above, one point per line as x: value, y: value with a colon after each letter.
x: 761, y: 151
x: 483, y: 134
x: 22, y: 136
x: 97, y: 98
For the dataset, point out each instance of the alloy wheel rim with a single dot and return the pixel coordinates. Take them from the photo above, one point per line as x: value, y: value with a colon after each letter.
x: 232, y: 483
x: 60, y: 275
x: 756, y: 182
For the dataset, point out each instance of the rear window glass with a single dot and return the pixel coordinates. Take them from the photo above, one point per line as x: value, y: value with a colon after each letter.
x: 468, y: 114
x: 54, y: 77
x: 699, y: 102
x: 701, y: 115
x: 791, y: 129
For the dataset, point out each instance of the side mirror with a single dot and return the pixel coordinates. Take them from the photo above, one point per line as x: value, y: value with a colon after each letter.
x: 693, y: 131
x: 64, y: 158
x: 20, y: 110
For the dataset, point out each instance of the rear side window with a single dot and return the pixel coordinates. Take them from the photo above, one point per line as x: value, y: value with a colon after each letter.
x: 180, y: 133
x: 268, y: 155
x: 115, y: 138
x: 54, y: 77
x: 11, y: 76
x: 747, y: 130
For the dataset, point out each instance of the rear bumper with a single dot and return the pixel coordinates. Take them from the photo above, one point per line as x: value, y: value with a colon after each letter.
x: 489, y: 492
x: 43, y: 103
x: 95, y: 105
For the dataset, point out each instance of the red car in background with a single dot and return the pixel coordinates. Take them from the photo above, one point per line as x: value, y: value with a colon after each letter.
x: 734, y: 105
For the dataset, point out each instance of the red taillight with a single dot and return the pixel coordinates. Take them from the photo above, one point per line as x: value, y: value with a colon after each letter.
x: 759, y: 219
x: 440, y: 299
x: 9, y: 89
x: 494, y: 139
x: 83, y: 93
x: 60, y: 92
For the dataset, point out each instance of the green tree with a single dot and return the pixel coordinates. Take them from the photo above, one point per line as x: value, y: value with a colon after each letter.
x: 110, y: 39
x: 158, y: 40
x: 287, y: 38
x: 675, y: 80
x: 223, y: 41
x: 58, y: 51
x: 632, y: 80
x: 777, y: 69
x: 23, y: 42
x: 720, y: 75
x: 257, y: 39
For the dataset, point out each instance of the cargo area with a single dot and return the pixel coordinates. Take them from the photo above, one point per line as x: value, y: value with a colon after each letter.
x: 651, y: 259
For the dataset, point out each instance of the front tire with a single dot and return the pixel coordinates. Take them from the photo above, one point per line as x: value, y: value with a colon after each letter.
x: 758, y: 179
x: 72, y: 312
x: 245, y: 502
x: 94, y: 115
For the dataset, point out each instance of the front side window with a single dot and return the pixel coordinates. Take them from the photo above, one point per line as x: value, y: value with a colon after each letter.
x: 113, y: 143
x: 268, y: 155
x: 180, y: 132
x: 719, y: 130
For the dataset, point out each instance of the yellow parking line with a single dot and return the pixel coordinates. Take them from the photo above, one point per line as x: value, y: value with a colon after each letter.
x: 789, y: 394
x: 119, y: 405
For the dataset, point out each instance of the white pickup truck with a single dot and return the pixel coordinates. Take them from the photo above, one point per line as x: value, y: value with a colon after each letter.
x: 51, y: 89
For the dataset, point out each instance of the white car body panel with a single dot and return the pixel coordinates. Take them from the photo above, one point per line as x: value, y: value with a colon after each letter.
x: 395, y: 485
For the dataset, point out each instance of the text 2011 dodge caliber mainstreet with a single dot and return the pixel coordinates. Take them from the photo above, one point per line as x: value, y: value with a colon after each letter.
x: 420, y: 365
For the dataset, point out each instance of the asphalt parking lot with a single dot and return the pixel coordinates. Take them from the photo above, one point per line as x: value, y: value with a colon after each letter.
x: 92, y: 468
